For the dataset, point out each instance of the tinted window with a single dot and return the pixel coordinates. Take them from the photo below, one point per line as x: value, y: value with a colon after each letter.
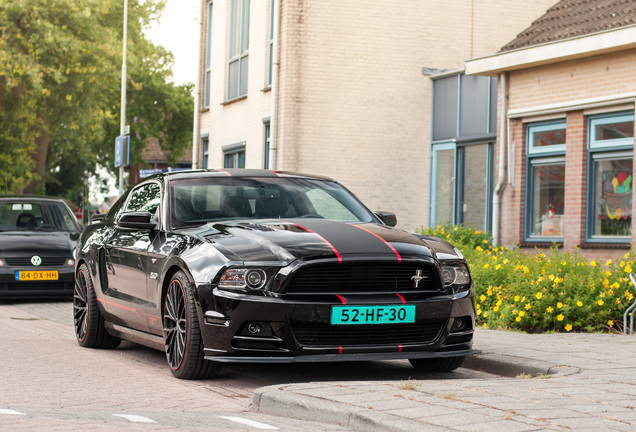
x: 36, y: 215
x: 145, y: 199
x: 198, y: 201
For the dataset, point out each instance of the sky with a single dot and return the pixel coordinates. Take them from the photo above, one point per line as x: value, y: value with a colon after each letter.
x: 178, y: 31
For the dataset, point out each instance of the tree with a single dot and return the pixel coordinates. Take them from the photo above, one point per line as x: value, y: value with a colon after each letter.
x: 60, y: 73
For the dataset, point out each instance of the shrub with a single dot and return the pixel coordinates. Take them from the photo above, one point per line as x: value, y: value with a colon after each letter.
x: 542, y: 291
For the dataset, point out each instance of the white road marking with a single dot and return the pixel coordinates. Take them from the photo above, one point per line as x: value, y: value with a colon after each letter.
x: 135, y: 418
x: 11, y: 412
x: 257, y: 425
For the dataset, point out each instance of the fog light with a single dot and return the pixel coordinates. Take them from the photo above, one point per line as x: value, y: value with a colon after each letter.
x: 255, y: 328
x: 459, y: 323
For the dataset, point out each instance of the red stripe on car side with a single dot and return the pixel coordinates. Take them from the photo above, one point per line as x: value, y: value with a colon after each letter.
x: 340, y: 350
x: 118, y: 305
x: 321, y: 238
x: 401, y: 298
x: 344, y: 302
x: 276, y: 173
x: 399, y: 348
x: 385, y: 242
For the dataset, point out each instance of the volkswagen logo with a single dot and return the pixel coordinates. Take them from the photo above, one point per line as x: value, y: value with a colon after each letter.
x: 36, y: 260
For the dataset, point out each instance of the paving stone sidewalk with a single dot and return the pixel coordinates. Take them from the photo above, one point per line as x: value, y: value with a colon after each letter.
x: 559, y: 382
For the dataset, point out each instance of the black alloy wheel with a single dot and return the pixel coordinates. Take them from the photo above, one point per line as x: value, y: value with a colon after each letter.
x: 87, y: 320
x: 181, y: 333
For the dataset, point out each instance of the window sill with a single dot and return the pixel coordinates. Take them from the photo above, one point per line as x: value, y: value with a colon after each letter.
x: 542, y: 245
x: 240, y: 98
x: 625, y: 246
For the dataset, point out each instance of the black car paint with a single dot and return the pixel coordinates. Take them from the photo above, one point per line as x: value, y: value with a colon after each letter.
x: 131, y: 269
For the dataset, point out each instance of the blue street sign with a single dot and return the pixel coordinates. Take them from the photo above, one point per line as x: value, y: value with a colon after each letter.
x: 119, y: 151
x: 122, y: 150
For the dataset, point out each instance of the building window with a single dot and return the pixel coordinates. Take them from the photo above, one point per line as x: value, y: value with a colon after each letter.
x: 611, y: 142
x: 464, y: 128
x: 234, y: 156
x: 266, y: 147
x: 238, y: 48
x: 545, y: 197
x: 208, y: 59
x: 272, y: 5
x: 206, y: 153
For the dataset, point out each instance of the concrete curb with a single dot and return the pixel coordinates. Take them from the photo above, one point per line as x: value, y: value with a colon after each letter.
x: 511, y: 366
x: 274, y: 400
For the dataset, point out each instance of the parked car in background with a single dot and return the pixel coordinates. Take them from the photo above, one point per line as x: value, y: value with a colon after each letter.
x: 37, y: 241
x: 223, y: 266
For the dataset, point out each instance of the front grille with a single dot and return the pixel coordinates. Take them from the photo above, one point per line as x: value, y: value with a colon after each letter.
x: 353, y: 335
x: 26, y: 261
x: 362, y: 278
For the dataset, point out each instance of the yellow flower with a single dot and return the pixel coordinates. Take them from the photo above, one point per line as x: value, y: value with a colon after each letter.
x: 498, y: 266
x: 539, y: 294
x: 549, y: 309
x: 478, y: 249
x: 579, y: 303
x: 486, y: 265
x: 551, y: 277
x: 485, y: 241
x: 600, y: 302
x: 560, y: 317
x: 516, y: 298
x: 615, y: 285
x: 482, y: 297
x: 559, y: 305
x: 478, y: 312
x: 563, y: 263
x: 485, y: 325
x: 593, y: 263
x: 521, y: 313
x: 496, y: 308
x: 568, y: 327
x: 622, y: 264
x: 610, y: 323
x: 506, y: 261
x: 518, y: 319
x: 609, y: 262
x: 628, y: 269
x: 528, y: 306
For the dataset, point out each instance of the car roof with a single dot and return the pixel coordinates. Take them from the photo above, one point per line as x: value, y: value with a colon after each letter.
x: 233, y: 172
x: 30, y: 198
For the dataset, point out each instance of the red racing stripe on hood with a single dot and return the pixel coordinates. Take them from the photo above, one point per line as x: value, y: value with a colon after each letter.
x: 321, y: 238
x: 385, y: 242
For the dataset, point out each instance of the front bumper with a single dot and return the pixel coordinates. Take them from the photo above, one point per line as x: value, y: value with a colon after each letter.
x: 290, y: 331
x: 15, y: 289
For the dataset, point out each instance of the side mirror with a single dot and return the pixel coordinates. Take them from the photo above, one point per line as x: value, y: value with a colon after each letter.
x: 97, y: 218
x: 137, y: 220
x: 388, y: 218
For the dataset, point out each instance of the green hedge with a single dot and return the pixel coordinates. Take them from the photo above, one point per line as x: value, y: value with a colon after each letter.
x: 542, y: 291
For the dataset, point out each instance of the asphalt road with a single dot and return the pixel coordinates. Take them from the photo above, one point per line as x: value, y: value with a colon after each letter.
x: 50, y: 383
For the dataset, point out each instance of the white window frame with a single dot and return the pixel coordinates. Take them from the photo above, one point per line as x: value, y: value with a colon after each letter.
x: 208, y: 59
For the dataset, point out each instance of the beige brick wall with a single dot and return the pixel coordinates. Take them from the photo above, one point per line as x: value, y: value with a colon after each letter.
x: 353, y: 103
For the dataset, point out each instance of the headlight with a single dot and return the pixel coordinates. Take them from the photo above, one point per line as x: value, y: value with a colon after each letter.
x: 241, y: 278
x: 455, y: 274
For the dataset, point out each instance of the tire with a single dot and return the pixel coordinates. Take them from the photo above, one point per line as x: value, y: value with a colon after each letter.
x: 181, y: 333
x: 441, y: 364
x: 87, y: 320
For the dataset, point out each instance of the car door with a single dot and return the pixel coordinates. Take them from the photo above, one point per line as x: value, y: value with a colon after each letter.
x: 126, y: 261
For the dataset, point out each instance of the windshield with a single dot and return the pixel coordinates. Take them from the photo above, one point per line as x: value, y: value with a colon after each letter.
x: 198, y: 201
x: 21, y: 215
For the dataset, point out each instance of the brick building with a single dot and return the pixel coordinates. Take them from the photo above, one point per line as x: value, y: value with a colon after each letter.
x: 566, y: 128
x: 349, y: 92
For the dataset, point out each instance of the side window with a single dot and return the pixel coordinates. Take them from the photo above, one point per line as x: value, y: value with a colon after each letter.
x: 145, y: 198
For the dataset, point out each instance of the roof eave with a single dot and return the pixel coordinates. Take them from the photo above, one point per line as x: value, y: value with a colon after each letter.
x: 553, y: 52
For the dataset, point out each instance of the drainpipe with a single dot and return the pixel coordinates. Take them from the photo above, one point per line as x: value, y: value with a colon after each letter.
x: 496, y: 200
x: 197, y: 97
x: 274, y: 92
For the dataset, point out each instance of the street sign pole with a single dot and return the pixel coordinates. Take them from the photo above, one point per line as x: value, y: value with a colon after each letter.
x: 123, y: 94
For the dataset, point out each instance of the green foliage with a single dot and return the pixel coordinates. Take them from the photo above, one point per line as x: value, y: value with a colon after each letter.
x: 60, y: 74
x: 542, y: 290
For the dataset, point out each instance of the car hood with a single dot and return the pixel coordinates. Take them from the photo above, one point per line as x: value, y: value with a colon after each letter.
x: 286, y: 241
x: 17, y: 243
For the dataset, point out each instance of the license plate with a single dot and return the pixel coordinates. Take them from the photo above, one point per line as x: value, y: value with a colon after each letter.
x: 373, y: 314
x: 36, y: 275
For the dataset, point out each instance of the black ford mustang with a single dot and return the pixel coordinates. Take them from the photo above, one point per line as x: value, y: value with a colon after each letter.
x: 37, y: 242
x: 258, y: 266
